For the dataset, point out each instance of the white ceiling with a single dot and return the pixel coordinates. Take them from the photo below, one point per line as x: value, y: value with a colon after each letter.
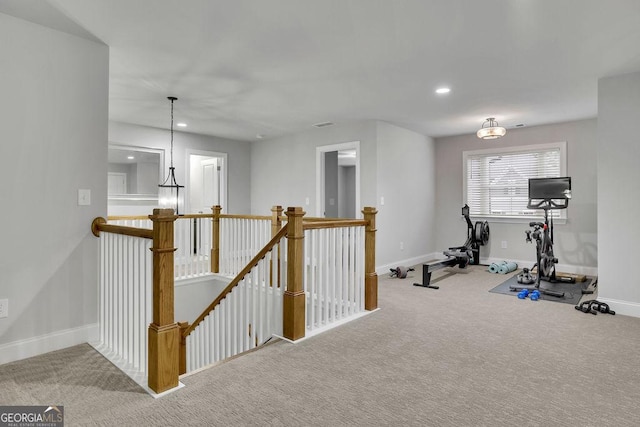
x: 273, y: 67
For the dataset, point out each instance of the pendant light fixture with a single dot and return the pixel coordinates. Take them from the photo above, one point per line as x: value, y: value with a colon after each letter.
x: 170, y: 194
x: 491, y: 130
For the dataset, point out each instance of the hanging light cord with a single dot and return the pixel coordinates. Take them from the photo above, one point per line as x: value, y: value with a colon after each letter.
x: 172, y: 98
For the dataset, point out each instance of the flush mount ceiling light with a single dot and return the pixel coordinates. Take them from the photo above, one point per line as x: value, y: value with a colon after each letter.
x: 181, y: 125
x: 491, y: 130
x: 170, y: 194
x: 443, y: 90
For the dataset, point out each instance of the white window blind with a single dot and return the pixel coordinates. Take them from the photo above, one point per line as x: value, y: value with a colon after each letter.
x: 497, y: 180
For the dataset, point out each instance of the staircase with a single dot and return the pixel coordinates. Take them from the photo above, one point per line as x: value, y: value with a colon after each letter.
x: 311, y: 275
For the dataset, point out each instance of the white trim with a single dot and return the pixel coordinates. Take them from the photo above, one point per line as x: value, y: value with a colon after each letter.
x: 207, y: 277
x: 53, y: 341
x: 565, y: 268
x: 318, y: 331
x: 627, y: 308
x: 320, y: 150
x: 409, y: 262
x: 138, y: 377
x: 223, y: 175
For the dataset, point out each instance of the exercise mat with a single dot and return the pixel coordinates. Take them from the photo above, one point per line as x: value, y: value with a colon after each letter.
x: 572, y: 291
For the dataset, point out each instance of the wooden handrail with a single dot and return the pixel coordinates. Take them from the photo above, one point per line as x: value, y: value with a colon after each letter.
x: 203, y: 215
x: 321, y: 218
x: 311, y: 225
x: 198, y: 215
x: 233, y: 216
x: 100, y: 224
x: 237, y: 279
x: 126, y: 217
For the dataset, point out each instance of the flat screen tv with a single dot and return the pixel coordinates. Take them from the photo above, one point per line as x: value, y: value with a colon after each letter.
x: 550, y: 188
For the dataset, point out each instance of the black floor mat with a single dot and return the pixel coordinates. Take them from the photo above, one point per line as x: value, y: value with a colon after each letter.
x: 572, y: 291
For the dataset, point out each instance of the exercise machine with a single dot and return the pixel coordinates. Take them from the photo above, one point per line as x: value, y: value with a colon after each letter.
x: 547, y: 194
x: 469, y: 253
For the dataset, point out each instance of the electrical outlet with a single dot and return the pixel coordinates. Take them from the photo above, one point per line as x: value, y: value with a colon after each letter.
x: 4, y: 308
x: 504, y: 244
x: 402, y: 246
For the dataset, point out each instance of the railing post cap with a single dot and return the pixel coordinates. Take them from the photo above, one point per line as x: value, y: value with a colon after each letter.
x: 369, y: 210
x: 297, y: 211
x: 163, y: 213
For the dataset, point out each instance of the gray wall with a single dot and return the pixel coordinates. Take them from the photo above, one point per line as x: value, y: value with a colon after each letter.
x: 331, y: 194
x: 619, y: 191
x: 347, y: 192
x: 283, y: 170
x: 395, y: 163
x: 575, y: 242
x: 54, y: 126
x: 406, y: 180
x: 238, y: 157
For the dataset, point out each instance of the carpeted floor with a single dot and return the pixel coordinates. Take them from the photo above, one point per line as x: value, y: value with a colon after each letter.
x: 456, y: 356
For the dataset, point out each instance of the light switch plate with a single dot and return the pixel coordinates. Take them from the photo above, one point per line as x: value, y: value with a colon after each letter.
x: 84, y: 197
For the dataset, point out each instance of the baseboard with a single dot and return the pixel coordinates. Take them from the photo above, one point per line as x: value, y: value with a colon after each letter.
x: 384, y: 269
x: 565, y: 268
x: 58, y: 340
x: 627, y: 308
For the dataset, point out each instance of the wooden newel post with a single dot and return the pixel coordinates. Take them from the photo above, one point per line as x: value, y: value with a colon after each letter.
x: 370, y: 276
x: 183, y: 348
x: 164, y: 332
x: 293, y: 321
x: 215, y: 239
x: 276, y: 225
x: 276, y: 219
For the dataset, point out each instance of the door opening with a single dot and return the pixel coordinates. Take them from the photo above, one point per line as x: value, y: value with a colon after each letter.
x: 338, y: 180
x: 207, y: 177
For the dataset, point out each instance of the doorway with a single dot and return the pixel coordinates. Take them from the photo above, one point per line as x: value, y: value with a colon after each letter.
x: 338, y: 180
x: 207, y: 180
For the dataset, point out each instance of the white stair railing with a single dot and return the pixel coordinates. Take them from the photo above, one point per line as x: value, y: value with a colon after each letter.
x: 246, y: 315
x: 125, y: 301
x: 192, y: 238
x: 333, y: 275
x: 240, y: 239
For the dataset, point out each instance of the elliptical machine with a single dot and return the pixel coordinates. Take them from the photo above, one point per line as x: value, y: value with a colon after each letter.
x: 546, y: 194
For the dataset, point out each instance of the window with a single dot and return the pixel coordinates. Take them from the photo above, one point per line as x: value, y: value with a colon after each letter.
x: 496, y: 181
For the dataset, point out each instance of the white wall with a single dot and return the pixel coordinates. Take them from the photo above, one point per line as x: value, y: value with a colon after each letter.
x: 54, y: 126
x: 238, y: 160
x: 284, y: 173
x: 575, y: 243
x: 619, y: 192
x: 283, y: 170
x: 406, y: 179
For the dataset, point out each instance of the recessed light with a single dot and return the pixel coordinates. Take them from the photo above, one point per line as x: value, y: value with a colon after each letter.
x: 181, y: 125
x: 130, y: 157
x: 259, y: 136
x: 443, y: 90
